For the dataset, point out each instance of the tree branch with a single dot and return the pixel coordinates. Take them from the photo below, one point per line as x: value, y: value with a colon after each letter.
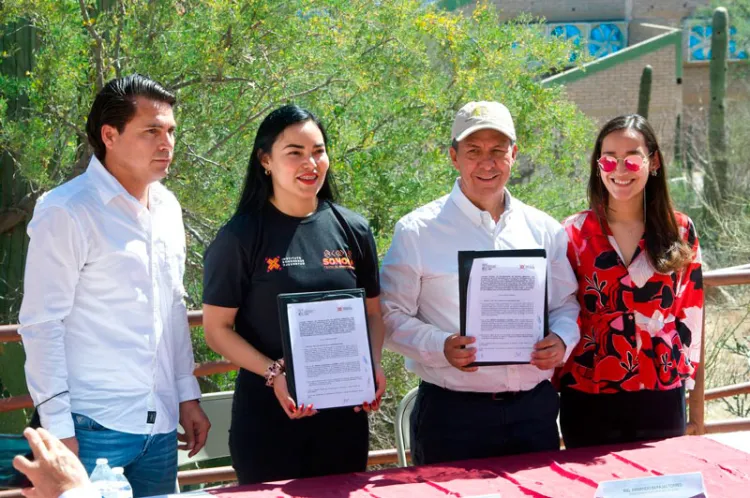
x: 81, y: 134
x: 695, y: 154
x: 118, y: 39
x: 192, y: 231
x: 211, y: 80
x: 375, y: 47
x: 191, y: 152
x: 80, y: 165
x: 98, y: 57
x: 264, y: 110
x: 189, y: 214
x: 11, y: 217
x: 390, y: 118
x: 14, y: 215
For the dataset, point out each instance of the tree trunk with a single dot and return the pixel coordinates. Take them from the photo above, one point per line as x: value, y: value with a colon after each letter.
x: 717, y: 132
x: 644, y: 93
x: 16, y: 203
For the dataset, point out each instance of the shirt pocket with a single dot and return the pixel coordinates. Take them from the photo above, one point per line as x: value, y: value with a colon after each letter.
x: 441, y: 289
x: 170, y: 261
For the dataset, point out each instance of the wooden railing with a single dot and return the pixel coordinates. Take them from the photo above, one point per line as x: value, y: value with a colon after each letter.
x: 739, y: 275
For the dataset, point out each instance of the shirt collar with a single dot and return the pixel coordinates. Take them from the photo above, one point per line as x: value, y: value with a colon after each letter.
x: 469, y: 209
x: 589, y: 225
x: 106, y: 184
x: 109, y: 188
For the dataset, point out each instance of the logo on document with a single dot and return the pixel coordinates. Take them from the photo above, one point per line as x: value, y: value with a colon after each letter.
x: 273, y: 264
x: 338, y: 259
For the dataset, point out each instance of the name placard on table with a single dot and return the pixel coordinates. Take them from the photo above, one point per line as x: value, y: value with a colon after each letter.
x: 670, y: 486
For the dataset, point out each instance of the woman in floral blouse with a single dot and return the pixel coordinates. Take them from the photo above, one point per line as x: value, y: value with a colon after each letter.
x: 637, y: 261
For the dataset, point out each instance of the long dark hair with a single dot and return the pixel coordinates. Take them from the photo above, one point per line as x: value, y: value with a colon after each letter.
x: 666, y: 249
x: 258, y: 187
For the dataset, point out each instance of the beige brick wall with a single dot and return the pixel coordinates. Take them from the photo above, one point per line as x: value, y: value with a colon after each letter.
x: 669, y: 12
x: 612, y: 92
x: 696, y: 91
x: 563, y: 10
x: 615, y: 91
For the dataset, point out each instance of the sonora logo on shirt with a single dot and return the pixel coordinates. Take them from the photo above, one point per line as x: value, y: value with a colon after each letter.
x: 338, y: 259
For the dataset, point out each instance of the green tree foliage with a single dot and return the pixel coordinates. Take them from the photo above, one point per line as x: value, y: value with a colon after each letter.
x: 724, y: 225
x: 724, y: 230
x: 385, y: 78
x: 739, y: 17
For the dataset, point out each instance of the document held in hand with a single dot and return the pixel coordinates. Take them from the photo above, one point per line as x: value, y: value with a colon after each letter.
x: 503, y: 296
x: 327, y: 351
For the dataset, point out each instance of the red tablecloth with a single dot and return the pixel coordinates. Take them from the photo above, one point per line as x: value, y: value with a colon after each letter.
x: 571, y: 473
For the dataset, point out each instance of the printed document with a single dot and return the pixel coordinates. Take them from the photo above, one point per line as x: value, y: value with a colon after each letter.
x: 331, y: 353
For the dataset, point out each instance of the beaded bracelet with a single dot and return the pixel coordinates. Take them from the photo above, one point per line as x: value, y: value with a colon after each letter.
x: 276, y: 368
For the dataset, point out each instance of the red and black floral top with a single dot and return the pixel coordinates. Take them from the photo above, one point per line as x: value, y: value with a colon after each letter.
x: 640, y: 329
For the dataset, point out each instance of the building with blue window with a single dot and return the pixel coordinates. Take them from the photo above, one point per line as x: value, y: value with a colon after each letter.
x: 622, y: 37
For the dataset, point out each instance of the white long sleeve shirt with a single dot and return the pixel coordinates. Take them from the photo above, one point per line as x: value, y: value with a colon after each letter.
x: 419, y: 286
x: 103, y: 315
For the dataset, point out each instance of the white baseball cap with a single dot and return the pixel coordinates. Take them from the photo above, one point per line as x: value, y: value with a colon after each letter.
x: 476, y: 116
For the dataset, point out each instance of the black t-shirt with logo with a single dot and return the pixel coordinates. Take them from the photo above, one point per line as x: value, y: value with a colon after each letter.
x: 257, y: 256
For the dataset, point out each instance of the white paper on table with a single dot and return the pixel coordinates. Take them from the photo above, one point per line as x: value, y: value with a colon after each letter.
x: 331, y: 353
x: 669, y: 486
x: 505, y: 307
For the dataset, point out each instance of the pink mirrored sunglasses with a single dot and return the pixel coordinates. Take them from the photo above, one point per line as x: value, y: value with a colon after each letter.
x: 633, y: 162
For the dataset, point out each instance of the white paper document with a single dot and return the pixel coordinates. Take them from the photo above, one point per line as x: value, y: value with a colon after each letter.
x: 331, y: 353
x: 671, y: 486
x: 505, y: 307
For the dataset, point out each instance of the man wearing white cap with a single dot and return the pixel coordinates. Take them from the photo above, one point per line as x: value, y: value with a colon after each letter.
x: 468, y: 412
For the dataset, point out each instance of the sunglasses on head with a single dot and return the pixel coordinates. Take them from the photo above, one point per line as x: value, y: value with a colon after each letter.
x: 633, y: 162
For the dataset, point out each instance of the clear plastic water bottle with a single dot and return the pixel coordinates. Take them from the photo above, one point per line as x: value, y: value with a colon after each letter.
x: 103, y: 479
x: 122, y: 486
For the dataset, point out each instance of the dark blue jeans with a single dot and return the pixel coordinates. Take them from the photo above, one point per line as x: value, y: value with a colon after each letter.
x: 452, y: 425
x: 150, y: 461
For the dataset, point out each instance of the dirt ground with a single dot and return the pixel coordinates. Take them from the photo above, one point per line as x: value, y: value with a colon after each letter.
x: 728, y: 349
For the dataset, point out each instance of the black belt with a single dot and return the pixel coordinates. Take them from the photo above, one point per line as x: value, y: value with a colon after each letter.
x: 496, y: 396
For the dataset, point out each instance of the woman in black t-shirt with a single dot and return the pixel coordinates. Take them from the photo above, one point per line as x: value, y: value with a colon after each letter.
x: 287, y: 236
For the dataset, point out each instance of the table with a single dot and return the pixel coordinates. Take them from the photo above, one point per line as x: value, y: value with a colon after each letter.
x: 569, y: 473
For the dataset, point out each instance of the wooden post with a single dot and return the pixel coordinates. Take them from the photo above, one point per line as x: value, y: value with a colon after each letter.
x: 696, y: 401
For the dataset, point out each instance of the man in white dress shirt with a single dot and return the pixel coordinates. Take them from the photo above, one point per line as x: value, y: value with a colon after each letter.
x: 109, y: 363
x: 468, y: 412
